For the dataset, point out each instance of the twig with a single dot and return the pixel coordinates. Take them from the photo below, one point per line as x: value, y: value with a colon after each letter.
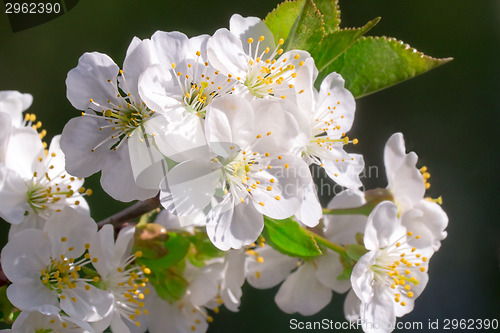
x: 132, y: 212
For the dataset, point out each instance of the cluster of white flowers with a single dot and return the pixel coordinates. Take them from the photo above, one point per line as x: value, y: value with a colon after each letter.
x: 223, y: 129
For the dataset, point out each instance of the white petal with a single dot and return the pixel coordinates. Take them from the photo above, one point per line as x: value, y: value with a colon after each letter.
x: 431, y: 224
x: 225, y: 52
x: 170, y: 47
x: 230, y: 119
x: 404, y: 179
x: 407, y: 186
x: 23, y: 151
x: 342, y: 229
x: 342, y: 167
x: 78, y: 230
x: 310, y: 210
x: 148, y: 164
x: 33, y: 296
x: 89, y: 80
x: 229, y: 227
x: 329, y: 268
x: 81, y: 135
x: 352, y: 306
x: 180, y: 141
x: 381, y: 225
x: 303, y: 293
x: 117, y: 178
x: 362, y: 276
x: 233, y: 279
x: 333, y: 94
x: 25, y: 255
x: 189, y: 187
x: 292, y: 179
x: 378, y: 315
x: 102, y: 247
x: 276, y: 123
x: 139, y: 57
x: 394, y: 153
x: 5, y: 131
x: 91, y: 305
x: 251, y: 27
x: 13, y: 196
x: 275, y: 268
x: 13, y: 103
x: 161, y: 92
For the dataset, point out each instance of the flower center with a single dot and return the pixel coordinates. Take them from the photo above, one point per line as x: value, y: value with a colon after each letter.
x: 50, y: 189
x: 123, y: 121
x: 62, y: 273
x: 396, y: 267
x: 200, y: 84
x: 128, y: 285
x: 267, y: 76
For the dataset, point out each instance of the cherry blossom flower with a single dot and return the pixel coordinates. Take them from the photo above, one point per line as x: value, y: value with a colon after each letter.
x: 119, y: 275
x: 245, y: 177
x: 36, y: 183
x: 325, y: 118
x: 247, y: 52
x: 116, y: 127
x: 44, y: 265
x: 388, y: 278
x: 35, y: 321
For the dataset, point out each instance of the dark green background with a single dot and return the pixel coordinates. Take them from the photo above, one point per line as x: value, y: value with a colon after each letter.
x: 449, y: 116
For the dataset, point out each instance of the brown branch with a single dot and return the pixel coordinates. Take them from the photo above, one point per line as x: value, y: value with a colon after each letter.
x: 136, y: 210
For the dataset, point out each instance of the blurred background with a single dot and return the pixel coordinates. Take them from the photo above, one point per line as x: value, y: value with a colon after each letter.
x: 449, y: 116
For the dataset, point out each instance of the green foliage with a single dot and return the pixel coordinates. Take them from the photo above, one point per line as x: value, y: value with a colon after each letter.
x: 8, y: 312
x: 336, y: 43
x: 331, y: 14
x: 281, y: 20
x: 287, y: 237
x: 375, y: 63
x: 368, y: 64
x: 167, y: 271
x: 308, y: 29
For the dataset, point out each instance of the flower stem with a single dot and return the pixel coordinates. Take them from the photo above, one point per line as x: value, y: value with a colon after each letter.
x: 326, y: 243
x: 366, y: 209
x: 132, y: 212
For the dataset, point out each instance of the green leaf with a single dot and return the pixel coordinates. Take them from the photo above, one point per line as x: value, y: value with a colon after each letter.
x: 334, y: 44
x: 375, y: 63
x: 308, y: 29
x: 280, y: 21
x: 177, y: 246
x: 331, y: 14
x: 287, y: 237
x: 355, y: 251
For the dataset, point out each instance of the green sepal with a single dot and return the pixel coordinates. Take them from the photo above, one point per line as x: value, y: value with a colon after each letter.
x: 346, y: 273
x: 281, y: 20
x: 176, y: 246
x: 355, y: 251
x: 170, y: 284
x: 375, y: 63
x: 287, y: 237
x: 308, y: 29
x: 336, y: 43
x: 202, y: 249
